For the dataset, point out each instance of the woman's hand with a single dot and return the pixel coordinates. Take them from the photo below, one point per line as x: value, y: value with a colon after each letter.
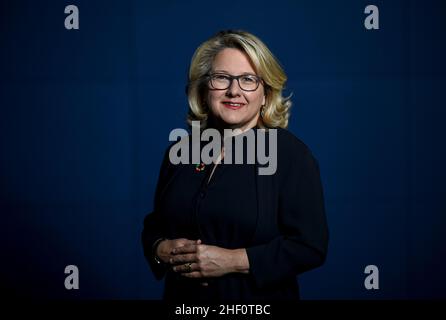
x: 165, y: 247
x: 198, y: 260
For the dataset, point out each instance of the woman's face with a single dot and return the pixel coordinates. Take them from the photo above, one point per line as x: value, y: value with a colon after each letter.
x: 233, y: 107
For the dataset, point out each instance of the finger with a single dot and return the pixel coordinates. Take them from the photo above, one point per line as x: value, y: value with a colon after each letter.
x: 184, y: 242
x: 183, y: 258
x: 199, y: 241
x: 174, y: 250
x: 185, y: 249
x: 195, y: 274
x: 186, y: 268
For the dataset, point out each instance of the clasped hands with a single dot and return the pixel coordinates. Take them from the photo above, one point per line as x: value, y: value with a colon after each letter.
x: 193, y: 259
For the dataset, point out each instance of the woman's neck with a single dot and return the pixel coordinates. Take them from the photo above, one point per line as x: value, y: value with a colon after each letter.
x: 236, y: 130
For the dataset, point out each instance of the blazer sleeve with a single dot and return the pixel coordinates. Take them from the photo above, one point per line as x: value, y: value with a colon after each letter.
x: 154, y: 227
x: 303, y: 241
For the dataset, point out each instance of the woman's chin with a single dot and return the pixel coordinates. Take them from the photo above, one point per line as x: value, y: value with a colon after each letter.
x: 232, y: 123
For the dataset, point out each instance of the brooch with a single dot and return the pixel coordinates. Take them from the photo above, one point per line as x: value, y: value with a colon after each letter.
x: 199, y: 167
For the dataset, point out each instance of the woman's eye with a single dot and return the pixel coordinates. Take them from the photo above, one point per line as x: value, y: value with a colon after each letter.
x: 248, y: 79
x: 220, y: 77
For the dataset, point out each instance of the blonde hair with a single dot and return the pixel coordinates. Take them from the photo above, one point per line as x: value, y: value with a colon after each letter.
x: 276, y: 111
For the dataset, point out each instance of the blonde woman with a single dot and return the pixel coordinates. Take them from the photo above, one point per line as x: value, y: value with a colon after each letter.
x: 222, y: 231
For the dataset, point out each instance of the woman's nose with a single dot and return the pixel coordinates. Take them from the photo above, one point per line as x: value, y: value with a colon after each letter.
x: 234, y: 89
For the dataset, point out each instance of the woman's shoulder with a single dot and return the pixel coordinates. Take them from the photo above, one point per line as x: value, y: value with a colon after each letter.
x: 293, y: 154
x: 289, y: 143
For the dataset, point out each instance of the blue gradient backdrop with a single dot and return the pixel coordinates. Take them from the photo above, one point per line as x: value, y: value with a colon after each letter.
x: 85, y: 118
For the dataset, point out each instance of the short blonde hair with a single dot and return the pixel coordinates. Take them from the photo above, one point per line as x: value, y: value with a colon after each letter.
x: 276, y: 111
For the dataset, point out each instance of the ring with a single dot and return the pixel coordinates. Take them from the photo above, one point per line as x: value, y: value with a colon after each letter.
x: 189, y: 267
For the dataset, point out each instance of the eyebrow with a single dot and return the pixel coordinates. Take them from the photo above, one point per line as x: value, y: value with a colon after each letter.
x: 227, y: 72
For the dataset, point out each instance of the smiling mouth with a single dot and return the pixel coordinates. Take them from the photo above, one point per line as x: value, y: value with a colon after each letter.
x: 233, y: 105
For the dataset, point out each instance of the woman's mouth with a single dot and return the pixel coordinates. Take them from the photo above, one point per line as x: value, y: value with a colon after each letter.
x: 233, y: 105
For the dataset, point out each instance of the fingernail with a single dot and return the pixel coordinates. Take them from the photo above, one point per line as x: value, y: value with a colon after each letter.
x: 173, y: 251
x: 170, y: 260
x: 175, y: 269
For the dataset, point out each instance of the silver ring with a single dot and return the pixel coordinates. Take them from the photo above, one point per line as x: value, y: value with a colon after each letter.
x: 189, y: 267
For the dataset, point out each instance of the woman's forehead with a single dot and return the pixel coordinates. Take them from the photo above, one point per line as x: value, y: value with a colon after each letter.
x: 231, y: 61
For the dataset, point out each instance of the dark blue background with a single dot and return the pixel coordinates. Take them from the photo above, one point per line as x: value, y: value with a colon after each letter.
x: 85, y: 118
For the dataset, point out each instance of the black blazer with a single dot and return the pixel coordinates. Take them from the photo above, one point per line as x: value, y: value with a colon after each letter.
x: 291, y: 233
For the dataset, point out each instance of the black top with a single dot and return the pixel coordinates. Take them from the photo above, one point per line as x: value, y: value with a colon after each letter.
x: 221, y: 212
x: 279, y: 219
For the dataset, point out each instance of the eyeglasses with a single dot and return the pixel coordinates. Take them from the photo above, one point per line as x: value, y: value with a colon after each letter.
x: 246, y: 82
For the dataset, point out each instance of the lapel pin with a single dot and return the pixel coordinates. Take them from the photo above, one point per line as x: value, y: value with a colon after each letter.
x: 199, y: 167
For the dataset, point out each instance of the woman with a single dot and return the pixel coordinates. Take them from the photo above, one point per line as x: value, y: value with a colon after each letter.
x: 224, y: 231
